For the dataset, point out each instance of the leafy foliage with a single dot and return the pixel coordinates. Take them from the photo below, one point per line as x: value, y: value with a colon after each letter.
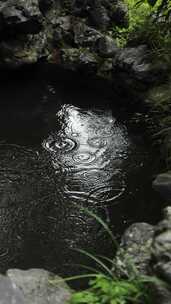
x: 150, y: 24
x: 105, y: 287
x: 105, y: 290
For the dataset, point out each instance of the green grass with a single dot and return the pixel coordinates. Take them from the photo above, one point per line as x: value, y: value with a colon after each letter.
x: 104, y: 286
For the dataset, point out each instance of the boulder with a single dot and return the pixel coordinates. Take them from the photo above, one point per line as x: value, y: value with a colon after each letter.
x: 161, y: 249
x: 18, y: 16
x: 9, y: 292
x: 85, y: 36
x: 107, y: 47
x: 45, y: 5
x: 107, y: 13
x: 162, y: 184
x: 161, y: 294
x: 28, y: 50
x: 75, y: 59
x: 101, y: 14
x: 161, y: 259
x: 39, y: 286
x: 134, y: 253
x: 119, y: 14
x: 134, y: 63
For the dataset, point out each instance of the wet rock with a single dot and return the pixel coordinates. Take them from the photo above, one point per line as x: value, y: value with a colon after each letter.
x: 22, y: 39
x: 161, y: 257
x: 45, y: 5
x: 63, y: 33
x: 107, y: 47
x: 99, y: 16
x: 105, y: 14
x: 38, y: 286
x: 120, y: 14
x: 20, y: 16
x: 85, y: 36
x: 100, y: 13
x: 28, y: 50
x: 161, y: 249
x: 134, y: 62
x: 65, y: 25
x: 75, y: 59
x: 161, y: 294
x: 9, y: 292
x: 134, y: 253
x: 162, y: 184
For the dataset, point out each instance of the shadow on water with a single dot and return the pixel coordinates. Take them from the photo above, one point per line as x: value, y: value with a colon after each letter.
x: 64, y: 145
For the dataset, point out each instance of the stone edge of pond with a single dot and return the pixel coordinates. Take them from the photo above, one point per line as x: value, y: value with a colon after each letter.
x: 145, y: 250
x: 33, y: 286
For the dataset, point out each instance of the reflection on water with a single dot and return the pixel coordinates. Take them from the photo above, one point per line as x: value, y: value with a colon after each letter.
x: 56, y: 158
x: 86, y: 155
x: 87, y: 152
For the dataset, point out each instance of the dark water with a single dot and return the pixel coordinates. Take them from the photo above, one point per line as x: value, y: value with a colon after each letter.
x: 62, y: 147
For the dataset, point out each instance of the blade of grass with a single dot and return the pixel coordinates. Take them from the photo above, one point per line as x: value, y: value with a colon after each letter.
x: 94, y: 258
x: 76, y: 277
x: 102, y: 223
x: 88, y: 268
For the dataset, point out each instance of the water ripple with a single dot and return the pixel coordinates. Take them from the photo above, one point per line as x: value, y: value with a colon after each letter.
x: 84, y: 157
x: 106, y: 194
x: 55, y: 145
x: 97, y: 142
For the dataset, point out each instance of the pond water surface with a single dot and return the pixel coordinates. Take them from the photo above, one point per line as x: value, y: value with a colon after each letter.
x: 63, y: 147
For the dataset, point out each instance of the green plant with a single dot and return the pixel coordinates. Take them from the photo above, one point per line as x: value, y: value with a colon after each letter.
x: 105, y: 290
x: 104, y: 286
x: 137, y: 17
x: 149, y: 23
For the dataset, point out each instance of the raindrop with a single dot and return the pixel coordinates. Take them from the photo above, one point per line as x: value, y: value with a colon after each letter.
x: 84, y: 158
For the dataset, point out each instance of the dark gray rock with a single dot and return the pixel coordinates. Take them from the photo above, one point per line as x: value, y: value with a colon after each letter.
x: 39, y: 286
x: 135, y: 69
x: 162, y: 184
x: 29, y: 49
x: 166, y: 146
x: 9, y: 292
x: 161, y: 258
x: 23, y: 40
x: 85, y: 36
x: 75, y: 59
x: 63, y: 31
x: 45, y: 5
x: 134, y: 253
x: 161, y: 249
x: 99, y: 15
x: 105, y: 14
x: 161, y: 294
x: 120, y: 14
x: 20, y: 16
x: 134, y: 61
x: 107, y: 47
